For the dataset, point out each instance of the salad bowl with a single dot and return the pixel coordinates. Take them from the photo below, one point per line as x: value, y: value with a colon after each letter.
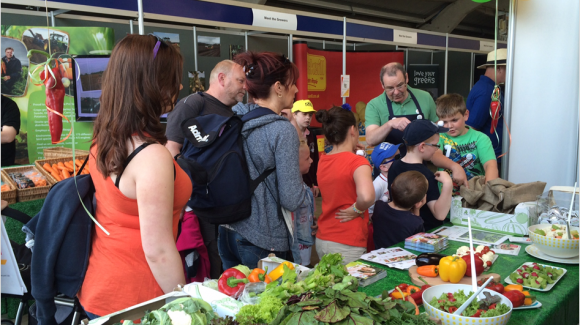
x: 451, y: 319
x: 556, y: 247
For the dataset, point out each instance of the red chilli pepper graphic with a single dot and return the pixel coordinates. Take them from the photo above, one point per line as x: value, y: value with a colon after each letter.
x: 55, y: 92
x: 495, y: 109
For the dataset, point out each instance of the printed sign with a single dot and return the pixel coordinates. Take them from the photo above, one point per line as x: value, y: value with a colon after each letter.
x: 403, y: 36
x: 486, y: 46
x: 426, y: 77
x: 316, y: 71
x: 273, y: 19
x: 344, y: 85
x: 11, y: 279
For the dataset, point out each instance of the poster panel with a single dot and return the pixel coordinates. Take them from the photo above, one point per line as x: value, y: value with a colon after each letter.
x: 320, y: 75
x: 34, y: 133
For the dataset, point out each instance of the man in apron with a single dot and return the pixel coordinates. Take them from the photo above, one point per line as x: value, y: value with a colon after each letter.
x: 388, y: 115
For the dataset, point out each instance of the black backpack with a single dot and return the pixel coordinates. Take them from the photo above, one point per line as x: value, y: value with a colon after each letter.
x: 213, y: 157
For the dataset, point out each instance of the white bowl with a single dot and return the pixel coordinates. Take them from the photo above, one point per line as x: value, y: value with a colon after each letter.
x: 450, y: 319
x: 561, y: 248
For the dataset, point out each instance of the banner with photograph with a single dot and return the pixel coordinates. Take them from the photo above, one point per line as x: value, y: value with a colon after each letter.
x: 320, y: 75
x: 30, y: 94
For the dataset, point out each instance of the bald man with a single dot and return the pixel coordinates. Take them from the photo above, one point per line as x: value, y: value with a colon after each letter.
x: 226, y: 89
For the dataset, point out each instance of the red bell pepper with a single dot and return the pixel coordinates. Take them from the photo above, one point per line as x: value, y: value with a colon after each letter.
x: 231, y: 282
x: 517, y: 297
x: 478, y: 265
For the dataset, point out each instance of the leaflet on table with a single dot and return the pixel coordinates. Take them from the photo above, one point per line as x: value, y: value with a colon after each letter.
x: 391, y: 257
x: 507, y: 249
x: 524, y: 240
x: 480, y: 237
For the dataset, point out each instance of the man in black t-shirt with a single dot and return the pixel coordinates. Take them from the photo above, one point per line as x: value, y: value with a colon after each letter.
x: 10, y: 128
x: 394, y: 221
x: 422, y: 140
x: 226, y: 89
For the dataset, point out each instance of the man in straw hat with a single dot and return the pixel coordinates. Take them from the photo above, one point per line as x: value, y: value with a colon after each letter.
x: 479, y: 99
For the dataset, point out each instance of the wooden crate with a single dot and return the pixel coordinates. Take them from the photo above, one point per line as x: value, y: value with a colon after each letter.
x: 9, y: 196
x: 28, y: 194
x: 48, y: 175
x: 59, y: 152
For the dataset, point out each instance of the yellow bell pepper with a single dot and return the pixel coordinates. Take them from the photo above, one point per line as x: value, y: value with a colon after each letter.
x: 516, y: 287
x: 452, y: 269
x: 279, y: 270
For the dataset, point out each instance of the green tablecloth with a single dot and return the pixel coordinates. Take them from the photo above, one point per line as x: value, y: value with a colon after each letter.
x: 559, y: 305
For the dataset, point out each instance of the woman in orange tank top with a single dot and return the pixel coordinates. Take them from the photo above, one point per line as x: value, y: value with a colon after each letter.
x: 138, y: 261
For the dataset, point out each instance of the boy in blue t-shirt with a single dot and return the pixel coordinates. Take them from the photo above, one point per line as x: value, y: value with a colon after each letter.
x: 396, y: 220
x: 468, y: 147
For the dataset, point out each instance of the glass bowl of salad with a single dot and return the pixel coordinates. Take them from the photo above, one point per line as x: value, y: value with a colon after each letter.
x: 553, y: 240
x: 490, y: 307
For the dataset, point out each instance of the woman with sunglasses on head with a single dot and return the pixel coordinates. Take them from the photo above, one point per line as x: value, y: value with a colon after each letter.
x: 346, y: 183
x: 270, y: 141
x: 140, y: 190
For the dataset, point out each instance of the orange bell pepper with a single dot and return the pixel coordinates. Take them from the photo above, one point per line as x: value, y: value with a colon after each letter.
x: 511, y: 287
x: 259, y: 275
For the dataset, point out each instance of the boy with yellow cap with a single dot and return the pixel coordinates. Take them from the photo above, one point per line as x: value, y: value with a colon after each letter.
x: 302, y: 112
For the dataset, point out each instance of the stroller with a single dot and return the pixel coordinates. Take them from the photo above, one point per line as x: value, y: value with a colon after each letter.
x: 68, y: 309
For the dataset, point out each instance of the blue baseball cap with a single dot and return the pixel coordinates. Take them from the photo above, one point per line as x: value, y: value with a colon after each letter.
x: 383, y: 151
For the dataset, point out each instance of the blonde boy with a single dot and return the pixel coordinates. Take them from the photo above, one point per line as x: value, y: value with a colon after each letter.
x: 471, y: 149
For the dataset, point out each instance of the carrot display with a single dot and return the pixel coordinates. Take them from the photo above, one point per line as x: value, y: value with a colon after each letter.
x: 63, y: 170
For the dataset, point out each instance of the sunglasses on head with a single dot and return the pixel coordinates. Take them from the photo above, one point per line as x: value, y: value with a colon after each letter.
x: 157, y: 45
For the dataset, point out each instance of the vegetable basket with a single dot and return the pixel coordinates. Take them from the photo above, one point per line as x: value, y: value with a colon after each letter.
x: 59, y: 152
x: 31, y: 193
x: 51, y: 161
x: 449, y: 319
x: 10, y: 195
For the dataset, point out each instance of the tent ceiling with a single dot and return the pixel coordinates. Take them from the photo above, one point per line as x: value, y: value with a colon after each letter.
x: 462, y: 17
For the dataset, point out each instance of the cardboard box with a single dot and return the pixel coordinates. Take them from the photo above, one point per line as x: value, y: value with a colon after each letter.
x: 272, y: 262
x: 512, y: 224
x: 223, y: 305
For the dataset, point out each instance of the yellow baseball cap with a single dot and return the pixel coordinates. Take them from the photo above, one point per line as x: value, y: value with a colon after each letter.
x: 304, y: 106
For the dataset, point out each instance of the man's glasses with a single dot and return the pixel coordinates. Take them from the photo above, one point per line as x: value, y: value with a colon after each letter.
x: 397, y: 157
x: 437, y: 145
x: 400, y: 88
x: 157, y: 45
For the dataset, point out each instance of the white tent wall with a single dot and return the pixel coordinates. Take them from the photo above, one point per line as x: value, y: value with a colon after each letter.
x: 544, y: 113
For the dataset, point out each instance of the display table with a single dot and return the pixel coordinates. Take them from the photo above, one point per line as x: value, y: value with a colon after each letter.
x: 559, y: 305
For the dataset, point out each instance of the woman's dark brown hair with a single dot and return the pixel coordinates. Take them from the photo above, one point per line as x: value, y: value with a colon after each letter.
x: 136, y: 90
x: 335, y: 123
x: 263, y: 69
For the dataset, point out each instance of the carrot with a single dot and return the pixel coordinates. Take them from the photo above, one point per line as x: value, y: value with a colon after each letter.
x: 56, y: 175
x: 78, y: 163
x: 69, y: 166
x: 47, y: 167
x: 65, y: 174
x: 411, y: 300
x: 55, y: 167
x: 428, y: 270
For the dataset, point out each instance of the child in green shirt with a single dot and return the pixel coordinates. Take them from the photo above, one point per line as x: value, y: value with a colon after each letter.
x: 470, y: 148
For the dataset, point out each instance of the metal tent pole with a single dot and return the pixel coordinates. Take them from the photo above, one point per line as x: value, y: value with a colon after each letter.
x: 140, y: 10
x: 246, y: 41
x: 290, y: 49
x: 507, y: 110
x: 130, y: 26
x: 344, y: 52
x: 446, y: 57
x: 195, y: 47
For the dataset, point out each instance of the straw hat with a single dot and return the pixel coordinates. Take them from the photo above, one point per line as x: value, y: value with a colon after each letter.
x: 501, y: 58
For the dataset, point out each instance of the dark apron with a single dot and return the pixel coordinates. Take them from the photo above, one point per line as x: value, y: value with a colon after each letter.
x: 396, y: 136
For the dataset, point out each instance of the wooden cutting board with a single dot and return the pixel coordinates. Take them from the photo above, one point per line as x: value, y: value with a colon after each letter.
x: 437, y: 281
